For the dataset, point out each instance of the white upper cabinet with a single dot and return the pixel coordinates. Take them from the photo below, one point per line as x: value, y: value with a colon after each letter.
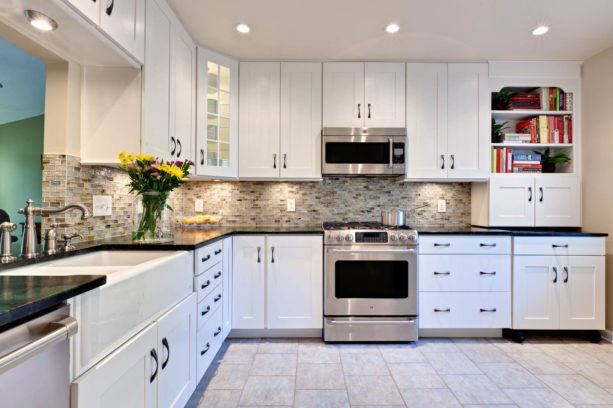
x: 259, y: 95
x: 217, y: 116
x: 124, y: 22
x: 468, y: 123
x: 156, y: 81
x: 427, y: 121
x: 360, y: 94
x: 343, y: 94
x: 384, y: 94
x: 89, y: 8
x: 280, y: 120
x: 557, y: 201
x: 447, y: 121
x: 300, y: 120
x: 512, y: 201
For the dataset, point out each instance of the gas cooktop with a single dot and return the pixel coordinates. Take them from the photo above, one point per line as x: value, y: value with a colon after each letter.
x: 367, y: 233
x: 361, y: 225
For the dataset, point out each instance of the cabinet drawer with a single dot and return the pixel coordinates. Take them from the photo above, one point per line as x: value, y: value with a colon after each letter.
x: 464, y: 310
x: 452, y: 244
x: 208, y: 256
x: 559, y: 246
x: 209, y: 305
x: 462, y: 273
x: 207, y: 281
x: 208, y: 343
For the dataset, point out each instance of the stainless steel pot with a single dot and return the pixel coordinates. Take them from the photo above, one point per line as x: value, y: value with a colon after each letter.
x: 396, y: 218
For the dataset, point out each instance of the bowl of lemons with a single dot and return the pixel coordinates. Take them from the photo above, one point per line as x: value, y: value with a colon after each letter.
x: 200, y: 221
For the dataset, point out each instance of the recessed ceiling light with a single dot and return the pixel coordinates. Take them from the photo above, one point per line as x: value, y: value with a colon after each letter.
x: 40, y: 21
x: 540, y: 30
x: 243, y: 28
x: 392, y: 28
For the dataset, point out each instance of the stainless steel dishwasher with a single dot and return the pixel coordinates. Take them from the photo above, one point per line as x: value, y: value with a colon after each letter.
x: 34, y: 361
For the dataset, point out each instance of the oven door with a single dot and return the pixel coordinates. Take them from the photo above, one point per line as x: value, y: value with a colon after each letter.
x: 363, y: 155
x: 379, y: 281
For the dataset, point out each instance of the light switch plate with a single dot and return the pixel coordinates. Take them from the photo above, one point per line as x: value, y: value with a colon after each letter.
x: 291, y: 204
x: 199, y: 207
x: 442, y: 206
x: 102, y: 205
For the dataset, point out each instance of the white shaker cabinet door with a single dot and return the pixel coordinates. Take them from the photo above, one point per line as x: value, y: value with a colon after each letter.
x: 182, y: 96
x: 558, y: 201
x: 124, y: 22
x: 295, y: 282
x: 512, y: 201
x: 248, y: 283
x: 468, y: 121
x: 426, y: 113
x: 227, y: 287
x: 300, y: 120
x: 535, y: 292
x: 259, y: 118
x: 384, y: 94
x: 127, y: 378
x: 343, y: 95
x: 177, y: 354
x: 89, y: 8
x: 582, y: 293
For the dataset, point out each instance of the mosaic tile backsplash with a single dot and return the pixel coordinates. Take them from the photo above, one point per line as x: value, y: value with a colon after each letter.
x: 65, y: 180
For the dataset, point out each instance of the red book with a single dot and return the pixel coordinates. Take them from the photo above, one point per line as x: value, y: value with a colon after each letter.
x: 509, y: 168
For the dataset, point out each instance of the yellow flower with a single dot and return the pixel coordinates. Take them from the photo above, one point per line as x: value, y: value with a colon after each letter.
x: 144, y: 157
x: 173, y: 170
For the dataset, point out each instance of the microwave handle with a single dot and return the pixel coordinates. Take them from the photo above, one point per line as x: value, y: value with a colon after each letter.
x: 391, y: 163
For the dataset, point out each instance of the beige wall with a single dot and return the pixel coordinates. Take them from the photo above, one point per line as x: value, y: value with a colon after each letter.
x: 597, y: 120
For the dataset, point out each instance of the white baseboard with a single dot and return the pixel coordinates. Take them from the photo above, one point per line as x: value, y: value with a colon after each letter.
x: 275, y: 333
x: 460, y: 333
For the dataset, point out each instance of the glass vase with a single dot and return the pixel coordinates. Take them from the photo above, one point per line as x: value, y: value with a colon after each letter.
x: 152, y: 218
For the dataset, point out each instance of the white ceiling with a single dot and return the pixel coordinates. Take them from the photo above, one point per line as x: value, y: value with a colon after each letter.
x: 429, y: 29
x: 22, y: 76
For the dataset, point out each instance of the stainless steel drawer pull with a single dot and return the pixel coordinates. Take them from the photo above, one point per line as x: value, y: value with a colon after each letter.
x: 442, y: 245
x: 487, y: 245
x: 217, y: 275
x: 442, y: 310
x: 487, y: 310
x: 208, y: 309
x: 559, y: 246
x: 442, y: 273
x: 487, y: 273
x: 206, y: 348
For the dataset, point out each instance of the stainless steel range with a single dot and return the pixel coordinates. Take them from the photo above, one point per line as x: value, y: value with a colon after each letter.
x: 370, y: 282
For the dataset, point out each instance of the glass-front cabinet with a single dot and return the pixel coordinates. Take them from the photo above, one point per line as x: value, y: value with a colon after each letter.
x: 217, y: 129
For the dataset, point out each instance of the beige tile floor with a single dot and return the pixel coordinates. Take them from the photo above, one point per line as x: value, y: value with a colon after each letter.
x: 544, y: 371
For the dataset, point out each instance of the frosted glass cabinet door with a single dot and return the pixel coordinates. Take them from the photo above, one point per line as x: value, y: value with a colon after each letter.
x: 217, y: 116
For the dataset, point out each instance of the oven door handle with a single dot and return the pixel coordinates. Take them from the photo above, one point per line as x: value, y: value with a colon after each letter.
x: 371, y: 321
x: 372, y: 251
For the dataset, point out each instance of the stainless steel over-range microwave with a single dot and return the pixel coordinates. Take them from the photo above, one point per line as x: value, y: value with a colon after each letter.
x: 363, y: 151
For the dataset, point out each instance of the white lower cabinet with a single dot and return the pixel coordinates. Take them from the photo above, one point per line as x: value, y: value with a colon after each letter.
x: 278, y: 282
x: 154, y: 368
x: 559, y: 293
x: 464, y: 310
x: 227, y: 287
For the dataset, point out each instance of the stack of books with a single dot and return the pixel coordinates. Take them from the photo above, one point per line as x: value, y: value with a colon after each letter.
x: 547, y: 129
x: 526, y: 101
x: 517, y: 138
x: 505, y: 160
x: 555, y: 99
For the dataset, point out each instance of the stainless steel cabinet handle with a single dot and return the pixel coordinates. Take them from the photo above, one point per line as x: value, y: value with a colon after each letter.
x: 285, y: 160
x: 369, y: 111
x: 154, y: 355
x: 274, y: 160
x: 371, y: 251
x: 487, y: 310
x: 208, y: 309
x: 452, y: 162
x: 529, y: 194
x: 109, y: 7
x: 555, y: 271
x: 391, y: 145
x: 559, y: 246
x: 217, y: 275
x: 259, y: 249
x: 63, y: 329
x: 541, y: 194
x: 566, y: 272
x: 206, y: 348
x: 487, y: 273
x: 167, y: 347
x: 359, y: 113
x: 217, y: 298
x: 442, y: 245
x: 442, y: 162
x: 272, y: 254
x: 442, y: 273
x: 488, y: 245
x: 442, y: 310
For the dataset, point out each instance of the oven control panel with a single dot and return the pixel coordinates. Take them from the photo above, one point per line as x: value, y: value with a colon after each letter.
x: 353, y: 237
x: 371, y: 237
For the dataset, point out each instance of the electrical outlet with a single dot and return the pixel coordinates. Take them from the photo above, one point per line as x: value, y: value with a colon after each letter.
x: 102, y: 205
x: 291, y: 204
x: 442, y: 206
x: 199, y: 207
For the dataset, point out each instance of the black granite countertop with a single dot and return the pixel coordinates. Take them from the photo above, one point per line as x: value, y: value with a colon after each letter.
x: 511, y: 231
x: 22, y: 297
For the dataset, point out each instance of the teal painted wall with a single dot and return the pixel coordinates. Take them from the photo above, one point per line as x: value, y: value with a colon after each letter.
x: 21, y: 147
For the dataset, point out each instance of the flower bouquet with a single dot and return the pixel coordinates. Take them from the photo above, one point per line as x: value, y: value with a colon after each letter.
x: 152, y: 180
